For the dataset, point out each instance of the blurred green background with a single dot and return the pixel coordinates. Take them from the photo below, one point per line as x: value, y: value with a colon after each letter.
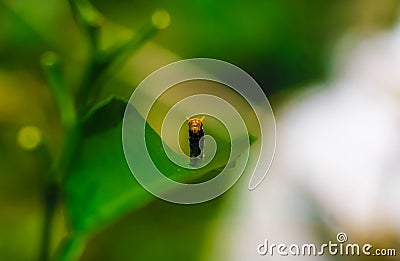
x: 285, y: 45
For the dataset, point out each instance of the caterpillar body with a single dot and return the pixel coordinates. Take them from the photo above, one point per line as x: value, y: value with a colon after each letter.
x: 196, y: 136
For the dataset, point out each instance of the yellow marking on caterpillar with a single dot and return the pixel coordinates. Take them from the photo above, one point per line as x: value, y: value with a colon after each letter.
x: 195, y: 124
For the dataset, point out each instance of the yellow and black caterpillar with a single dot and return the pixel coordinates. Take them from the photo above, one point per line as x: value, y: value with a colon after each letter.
x: 196, y: 134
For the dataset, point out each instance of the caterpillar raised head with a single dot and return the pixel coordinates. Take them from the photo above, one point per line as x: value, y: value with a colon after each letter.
x: 196, y: 133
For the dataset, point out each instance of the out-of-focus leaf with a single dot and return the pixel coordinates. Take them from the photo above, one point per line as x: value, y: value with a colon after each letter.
x: 106, y: 115
x: 100, y: 188
x: 160, y: 231
x: 71, y: 248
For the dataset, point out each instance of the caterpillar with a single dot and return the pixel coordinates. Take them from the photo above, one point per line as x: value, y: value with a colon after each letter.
x: 196, y: 134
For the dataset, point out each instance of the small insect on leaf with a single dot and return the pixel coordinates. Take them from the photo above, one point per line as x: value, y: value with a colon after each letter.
x: 196, y: 136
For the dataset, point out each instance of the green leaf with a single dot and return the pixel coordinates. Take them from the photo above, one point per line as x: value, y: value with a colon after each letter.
x: 71, y: 248
x: 99, y: 188
x: 105, y: 115
x: 160, y: 231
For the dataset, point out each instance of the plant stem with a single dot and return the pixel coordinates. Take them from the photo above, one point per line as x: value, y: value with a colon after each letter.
x: 59, y: 167
x: 70, y: 118
x: 50, y: 199
x: 99, y: 67
x: 52, y: 190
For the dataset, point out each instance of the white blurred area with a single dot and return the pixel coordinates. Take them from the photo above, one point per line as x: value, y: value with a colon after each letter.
x: 337, y: 163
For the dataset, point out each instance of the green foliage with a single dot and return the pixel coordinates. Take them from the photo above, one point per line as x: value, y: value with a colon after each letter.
x: 80, y: 164
x: 98, y: 187
x: 92, y: 173
x: 159, y: 231
x: 103, y: 116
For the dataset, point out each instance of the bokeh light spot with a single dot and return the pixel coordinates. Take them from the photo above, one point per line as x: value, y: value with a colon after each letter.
x: 161, y: 19
x: 29, y: 137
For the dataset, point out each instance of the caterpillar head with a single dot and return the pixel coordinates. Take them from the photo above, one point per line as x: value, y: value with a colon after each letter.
x: 195, y: 124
